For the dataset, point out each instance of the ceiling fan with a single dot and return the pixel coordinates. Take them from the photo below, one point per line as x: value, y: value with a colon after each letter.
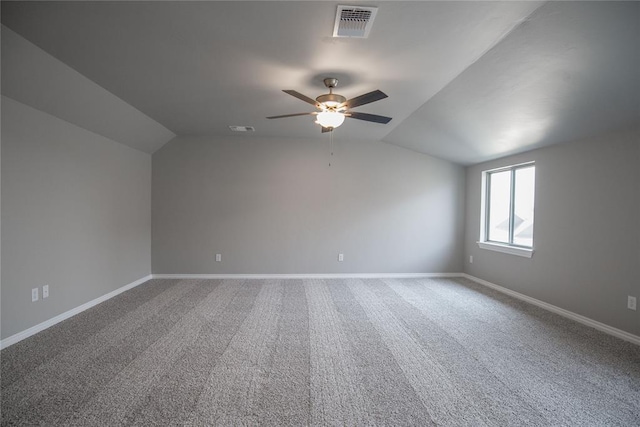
x: 334, y: 108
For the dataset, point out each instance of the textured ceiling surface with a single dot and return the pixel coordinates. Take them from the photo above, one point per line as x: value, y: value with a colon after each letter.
x: 467, y: 81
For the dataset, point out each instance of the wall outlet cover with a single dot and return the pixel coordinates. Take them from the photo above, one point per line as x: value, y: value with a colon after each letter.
x: 34, y: 294
x: 218, y: 257
x: 45, y: 291
x: 340, y: 257
x: 631, y: 302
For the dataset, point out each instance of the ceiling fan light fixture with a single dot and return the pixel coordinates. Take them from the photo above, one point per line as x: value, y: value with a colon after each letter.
x: 330, y: 119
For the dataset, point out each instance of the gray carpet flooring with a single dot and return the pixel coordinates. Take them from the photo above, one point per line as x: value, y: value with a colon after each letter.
x: 319, y: 352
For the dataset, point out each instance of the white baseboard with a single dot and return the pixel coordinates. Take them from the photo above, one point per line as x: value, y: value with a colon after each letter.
x: 67, y: 314
x: 561, y: 311
x: 60, y: 317
x: 307, y: 276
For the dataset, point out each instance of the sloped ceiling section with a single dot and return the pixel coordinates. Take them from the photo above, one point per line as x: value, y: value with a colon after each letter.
x: 35, y: 78
x: 571, y: 70
x: 467, y: 81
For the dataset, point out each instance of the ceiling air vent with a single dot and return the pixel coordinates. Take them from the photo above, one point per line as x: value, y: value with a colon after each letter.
x: 354, y: 21
x: 242, y: 128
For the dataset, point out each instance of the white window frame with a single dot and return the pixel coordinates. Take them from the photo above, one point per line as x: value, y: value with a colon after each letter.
x: 483, y: 243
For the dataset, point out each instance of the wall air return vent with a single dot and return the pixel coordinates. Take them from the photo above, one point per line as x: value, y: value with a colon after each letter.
x: 242, y: 128
x: 354, y: 21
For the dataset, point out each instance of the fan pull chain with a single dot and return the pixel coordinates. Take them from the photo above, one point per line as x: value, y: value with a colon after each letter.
x: 330, y: 146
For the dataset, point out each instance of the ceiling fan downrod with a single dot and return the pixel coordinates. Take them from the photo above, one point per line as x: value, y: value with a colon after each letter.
x: 330, y: 100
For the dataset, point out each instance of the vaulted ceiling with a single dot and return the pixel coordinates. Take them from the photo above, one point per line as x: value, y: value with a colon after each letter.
x: 467, y: 81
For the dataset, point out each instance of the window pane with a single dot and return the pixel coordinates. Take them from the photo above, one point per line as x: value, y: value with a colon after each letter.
x: 499, y: 195
x: 523, y: 208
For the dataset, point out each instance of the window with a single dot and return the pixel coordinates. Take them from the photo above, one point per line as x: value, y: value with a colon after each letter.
x: 508, y: 199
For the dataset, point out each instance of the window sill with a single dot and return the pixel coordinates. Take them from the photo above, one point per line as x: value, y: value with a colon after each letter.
x: 506, y: 249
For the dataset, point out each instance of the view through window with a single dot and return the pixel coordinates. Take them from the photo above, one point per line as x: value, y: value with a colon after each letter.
x: 510, y: 194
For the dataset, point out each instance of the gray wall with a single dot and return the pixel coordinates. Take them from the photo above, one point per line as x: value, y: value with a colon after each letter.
x: 75, y: 215
x: 275, y: 206
x: 587, y: 229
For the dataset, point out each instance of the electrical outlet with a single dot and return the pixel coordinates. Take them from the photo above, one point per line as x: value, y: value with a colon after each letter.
x: 340, y: 257
x: 45, y: 291
x: 34, y: 294
x: 218, y: 257
x: 470, y: 259
x: 631, y: 302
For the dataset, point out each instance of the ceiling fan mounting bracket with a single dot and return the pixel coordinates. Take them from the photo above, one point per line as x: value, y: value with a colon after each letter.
x: 330, y: 82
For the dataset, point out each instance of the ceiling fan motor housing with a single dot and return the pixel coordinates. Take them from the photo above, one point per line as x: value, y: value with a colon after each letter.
x: 331, y: 100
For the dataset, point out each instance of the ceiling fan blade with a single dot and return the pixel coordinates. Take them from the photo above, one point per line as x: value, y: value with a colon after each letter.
x: 292, y: 115
x: 368, y: 117
x: 325, y: 130
x: 367, y: 98
x: 302, y: 97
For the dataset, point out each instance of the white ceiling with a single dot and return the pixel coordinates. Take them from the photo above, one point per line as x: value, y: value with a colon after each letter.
x: 39, y: 80
x: 467, y: 81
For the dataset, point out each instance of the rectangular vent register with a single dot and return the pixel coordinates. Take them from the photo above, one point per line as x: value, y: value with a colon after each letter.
x: 242, y: 128
x: 354, y: 21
